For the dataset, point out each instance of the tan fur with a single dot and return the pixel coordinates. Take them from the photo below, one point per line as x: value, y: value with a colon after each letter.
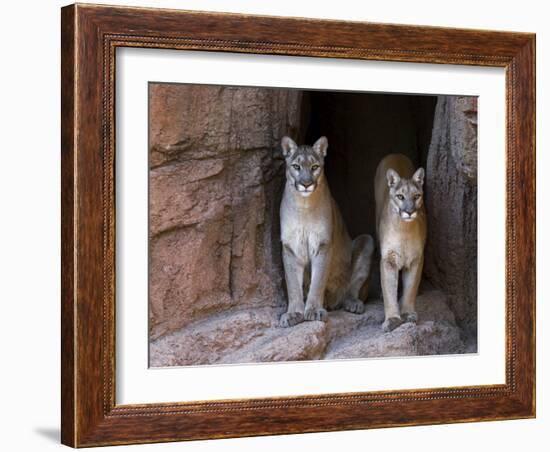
x: 401, y: 242
x: 321, y: 262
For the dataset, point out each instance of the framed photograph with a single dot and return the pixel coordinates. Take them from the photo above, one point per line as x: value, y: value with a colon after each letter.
x: 281, y: 225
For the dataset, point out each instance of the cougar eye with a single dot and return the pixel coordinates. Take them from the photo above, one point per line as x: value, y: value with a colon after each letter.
x: 314, y: 167
x: 400, y: 197
x: 296, y: 167
x: 417, y: 197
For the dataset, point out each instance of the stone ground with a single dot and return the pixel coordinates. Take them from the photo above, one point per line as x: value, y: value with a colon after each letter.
x: 253, y: 335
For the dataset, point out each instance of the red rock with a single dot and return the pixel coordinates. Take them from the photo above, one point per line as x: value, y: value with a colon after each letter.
x: 215, y: 179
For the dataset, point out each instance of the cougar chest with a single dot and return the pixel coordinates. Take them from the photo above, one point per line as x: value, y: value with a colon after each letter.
x: 305, y: 230
x: 402, y: 244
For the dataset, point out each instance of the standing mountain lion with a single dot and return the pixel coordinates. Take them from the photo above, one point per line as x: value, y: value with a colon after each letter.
x: 320, y: 260
x: 401, y: 230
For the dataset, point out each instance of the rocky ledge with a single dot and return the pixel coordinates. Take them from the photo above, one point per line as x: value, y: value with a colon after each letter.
x: 253, y: 335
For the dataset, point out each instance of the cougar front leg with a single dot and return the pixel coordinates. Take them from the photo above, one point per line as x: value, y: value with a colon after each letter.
x: 315, y: 298
x: 411, y: 281
x: 389, y: 274
x: 294, y: 276
x: 361, y: 256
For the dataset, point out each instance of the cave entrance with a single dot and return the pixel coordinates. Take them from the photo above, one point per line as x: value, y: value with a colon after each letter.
x: 361, y: 129
x: 438, y: 133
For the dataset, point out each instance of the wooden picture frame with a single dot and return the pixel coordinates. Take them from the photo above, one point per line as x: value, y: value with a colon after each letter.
x: 90, y: 36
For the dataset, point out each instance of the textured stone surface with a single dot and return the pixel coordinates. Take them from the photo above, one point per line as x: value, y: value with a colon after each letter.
x: 451, y: 199
x: 253, y: 335
x: 215, y: 182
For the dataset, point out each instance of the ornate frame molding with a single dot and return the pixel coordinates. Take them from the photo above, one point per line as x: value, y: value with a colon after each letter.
x: 90, y: 36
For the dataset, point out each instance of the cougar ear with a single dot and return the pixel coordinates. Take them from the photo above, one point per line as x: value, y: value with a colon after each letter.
x: 418, y: 177
x: 321, y: 146
x: 392, y: 177
x: 288, y: 145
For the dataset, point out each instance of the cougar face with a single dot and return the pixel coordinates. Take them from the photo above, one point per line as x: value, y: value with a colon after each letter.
x: 304, y: 164
x: 406, y: 195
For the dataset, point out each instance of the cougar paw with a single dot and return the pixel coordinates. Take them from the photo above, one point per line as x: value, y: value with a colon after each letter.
x: 290, y: 319
x: 411, y: 317
x: 313, y: 313
x: 391, y: 324
x: 354, y: 305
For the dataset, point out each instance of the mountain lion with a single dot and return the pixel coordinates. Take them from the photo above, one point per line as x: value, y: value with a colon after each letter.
x: 320, y: 259
x: 401, y: 230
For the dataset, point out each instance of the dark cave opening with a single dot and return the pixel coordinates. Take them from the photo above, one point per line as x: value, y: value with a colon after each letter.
x: 361, y: 129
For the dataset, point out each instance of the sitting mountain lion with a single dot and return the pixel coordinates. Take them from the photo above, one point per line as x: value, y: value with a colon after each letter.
x: 320, y: 260
x: 401, y: 230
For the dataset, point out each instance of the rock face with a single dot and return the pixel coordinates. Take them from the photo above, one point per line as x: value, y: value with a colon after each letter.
x: 451, y: 199
x: 215, y: 182
x: 248, y: 336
